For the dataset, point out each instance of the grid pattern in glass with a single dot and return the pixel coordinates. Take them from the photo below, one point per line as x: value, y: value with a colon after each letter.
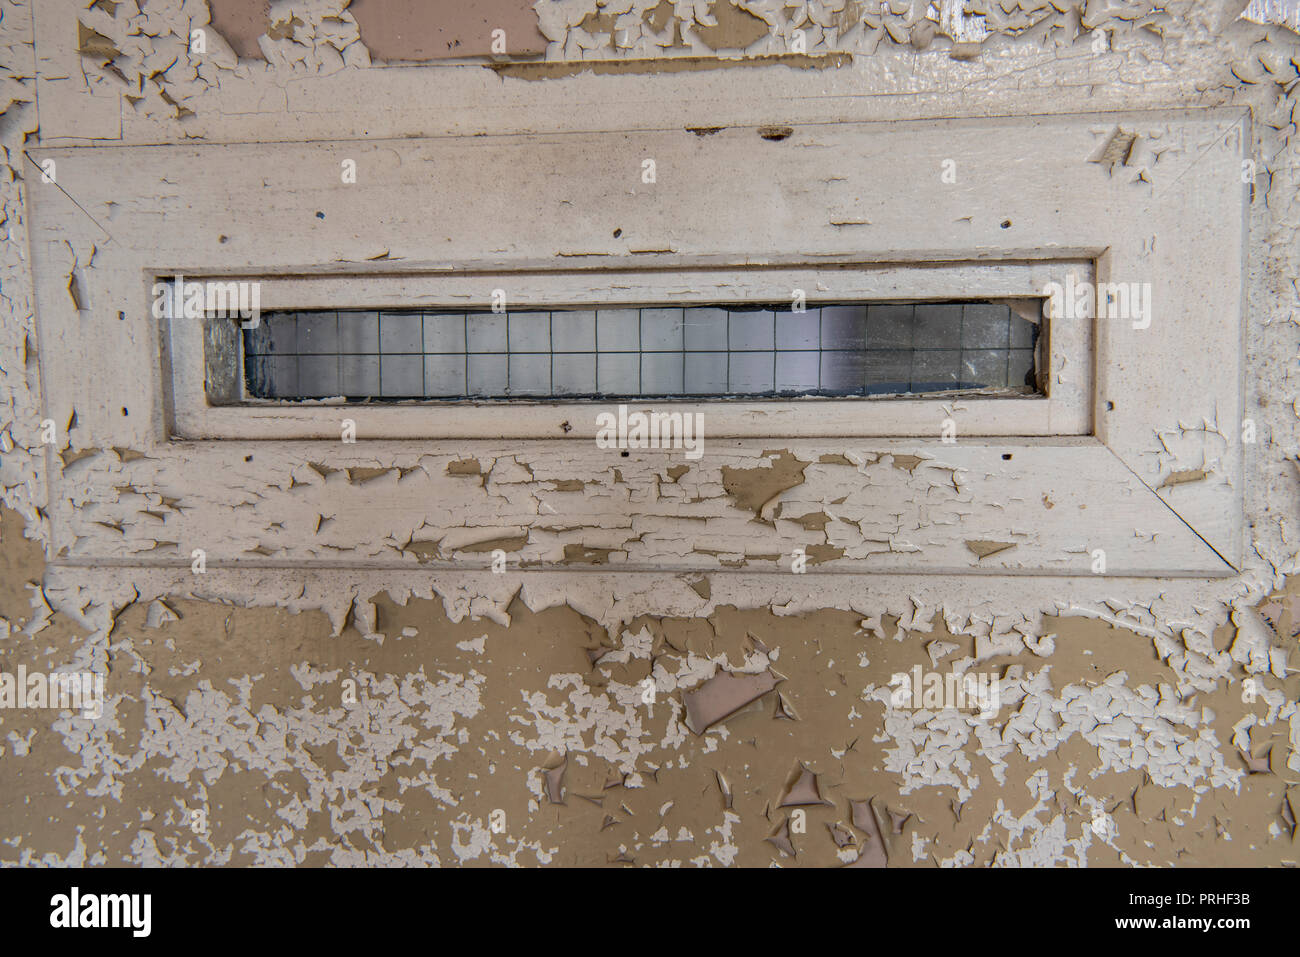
x: 638, y: 352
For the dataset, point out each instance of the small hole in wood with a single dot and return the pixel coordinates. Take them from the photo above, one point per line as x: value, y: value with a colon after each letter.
x: 1006, y: 456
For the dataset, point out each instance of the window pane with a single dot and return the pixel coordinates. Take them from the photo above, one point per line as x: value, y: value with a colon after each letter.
x: 833, y: 349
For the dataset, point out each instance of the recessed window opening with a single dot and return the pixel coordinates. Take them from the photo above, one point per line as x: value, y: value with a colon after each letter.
x: 875, y: 349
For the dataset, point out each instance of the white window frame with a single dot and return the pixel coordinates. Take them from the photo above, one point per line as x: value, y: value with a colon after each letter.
x: 1065, y: 410
x: 1028, y: 189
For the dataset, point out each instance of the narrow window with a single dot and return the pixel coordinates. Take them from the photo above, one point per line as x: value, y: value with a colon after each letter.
x: 711, y: 352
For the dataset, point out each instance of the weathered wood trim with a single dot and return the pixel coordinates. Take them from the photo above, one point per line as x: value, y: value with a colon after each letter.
x: 842, y: 193
x: 1066, y: 410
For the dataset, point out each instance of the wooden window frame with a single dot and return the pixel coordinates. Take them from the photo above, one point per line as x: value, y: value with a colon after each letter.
x: 1065, y: 409
x: 1028, y: 189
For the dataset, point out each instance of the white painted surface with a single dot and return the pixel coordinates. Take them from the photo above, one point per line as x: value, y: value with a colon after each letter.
x: 492, y: 203
x: 1066, y: 411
